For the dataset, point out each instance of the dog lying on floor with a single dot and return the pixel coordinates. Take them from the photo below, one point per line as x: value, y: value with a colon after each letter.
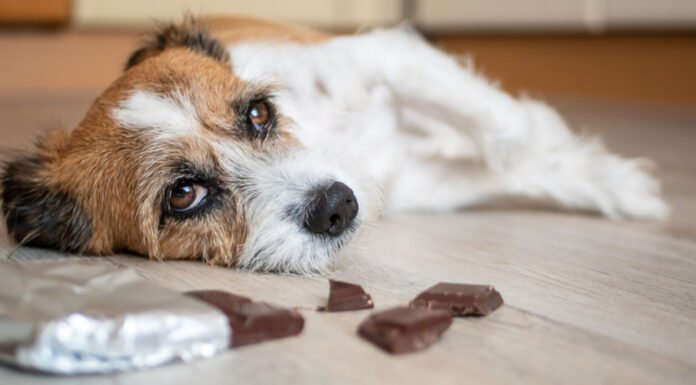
x: 242, y: 142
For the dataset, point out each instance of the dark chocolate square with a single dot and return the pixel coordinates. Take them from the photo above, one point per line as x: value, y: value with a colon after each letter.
x: 404, y: 330
x: 459, y: 299
x: 344, y: 296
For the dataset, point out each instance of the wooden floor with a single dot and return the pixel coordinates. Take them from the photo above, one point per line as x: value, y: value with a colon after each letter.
x: 588, y: 301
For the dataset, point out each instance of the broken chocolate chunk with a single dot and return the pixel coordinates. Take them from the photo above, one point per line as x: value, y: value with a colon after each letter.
x: 252, y: 322
x: 345, y: 296
x: 217, y: 298
x: 459, y: 299
x: 404, y: 330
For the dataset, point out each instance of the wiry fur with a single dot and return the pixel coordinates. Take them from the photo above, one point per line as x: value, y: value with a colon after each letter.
x: 192, y: 34
x: 382, y: 112
x: 38, y: 214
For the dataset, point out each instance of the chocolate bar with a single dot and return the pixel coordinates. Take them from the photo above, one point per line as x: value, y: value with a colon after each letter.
x: 404, y: 330
x: 252, y: 322
x: 345, y: 296
x: 459, y: 299
x: 69, y: 317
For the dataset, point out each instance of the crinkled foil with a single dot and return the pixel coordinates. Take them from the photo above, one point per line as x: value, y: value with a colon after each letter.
x: 70, y: 317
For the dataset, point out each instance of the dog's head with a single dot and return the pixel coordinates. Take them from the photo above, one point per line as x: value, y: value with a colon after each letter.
x: 179, y: 158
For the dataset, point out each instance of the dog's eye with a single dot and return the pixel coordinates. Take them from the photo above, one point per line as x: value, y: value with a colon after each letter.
x: 187, y: 195
x: 259, y: 115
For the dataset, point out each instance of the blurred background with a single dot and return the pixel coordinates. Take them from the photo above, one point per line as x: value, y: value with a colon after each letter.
x: 618, y: 50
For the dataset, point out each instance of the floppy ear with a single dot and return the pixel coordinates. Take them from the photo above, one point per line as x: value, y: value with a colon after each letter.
x: 38, y: 212
x: 192, y: 33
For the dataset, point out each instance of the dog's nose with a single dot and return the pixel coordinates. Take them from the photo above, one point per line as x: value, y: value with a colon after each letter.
x: 332, y: 210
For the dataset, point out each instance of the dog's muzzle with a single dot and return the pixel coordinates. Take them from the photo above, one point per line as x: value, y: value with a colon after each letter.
x: 331, y: 210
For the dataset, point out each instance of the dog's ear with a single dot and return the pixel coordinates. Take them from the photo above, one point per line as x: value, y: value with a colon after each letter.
x: 192, y: 33
x: 37, y: 211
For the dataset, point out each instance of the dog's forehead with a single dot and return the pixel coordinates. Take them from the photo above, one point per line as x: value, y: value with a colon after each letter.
x: 182, y: 67
x: 178, y: 93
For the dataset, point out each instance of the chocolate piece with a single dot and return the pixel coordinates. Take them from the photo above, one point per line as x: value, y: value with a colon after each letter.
x: 347, y: 296
x: 459, y: 299
x: 252, y: 322
x: 217, y: 298
x: 404, y: 330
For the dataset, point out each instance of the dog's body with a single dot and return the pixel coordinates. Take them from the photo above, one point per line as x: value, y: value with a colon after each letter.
x: 283, y: 138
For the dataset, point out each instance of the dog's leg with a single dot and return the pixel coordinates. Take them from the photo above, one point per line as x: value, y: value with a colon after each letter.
x: 526, y: 147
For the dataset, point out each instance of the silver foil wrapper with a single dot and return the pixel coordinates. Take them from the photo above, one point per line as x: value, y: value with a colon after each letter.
x: 75, y: 317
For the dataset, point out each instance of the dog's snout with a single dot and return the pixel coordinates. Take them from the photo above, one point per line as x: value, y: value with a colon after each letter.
x: 332, y: 210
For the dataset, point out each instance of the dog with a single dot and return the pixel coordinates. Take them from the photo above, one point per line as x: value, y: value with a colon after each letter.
x: 269, y: 147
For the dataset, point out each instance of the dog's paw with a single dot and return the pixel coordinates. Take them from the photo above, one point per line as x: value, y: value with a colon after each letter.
x: 582, y: 174
x: 634, y: 192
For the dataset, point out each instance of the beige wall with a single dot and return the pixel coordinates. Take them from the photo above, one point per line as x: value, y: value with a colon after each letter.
x: 590, y: 15
x: 479, y: 15
x: 334, y: 13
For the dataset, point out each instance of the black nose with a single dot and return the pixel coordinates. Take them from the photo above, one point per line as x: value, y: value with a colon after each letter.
x: 331, y: 210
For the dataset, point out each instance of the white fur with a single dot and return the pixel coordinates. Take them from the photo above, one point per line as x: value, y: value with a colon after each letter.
x: 274, y: 192
x: 435, y: 135
x: 162, y: 116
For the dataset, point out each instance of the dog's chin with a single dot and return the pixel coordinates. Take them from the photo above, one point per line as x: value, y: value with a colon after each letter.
x: 296, y: 252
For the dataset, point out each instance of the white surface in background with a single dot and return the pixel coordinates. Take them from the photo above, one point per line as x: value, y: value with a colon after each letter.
x: 431, y: 14
x: 555, y: 15
x: 335, y: 13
